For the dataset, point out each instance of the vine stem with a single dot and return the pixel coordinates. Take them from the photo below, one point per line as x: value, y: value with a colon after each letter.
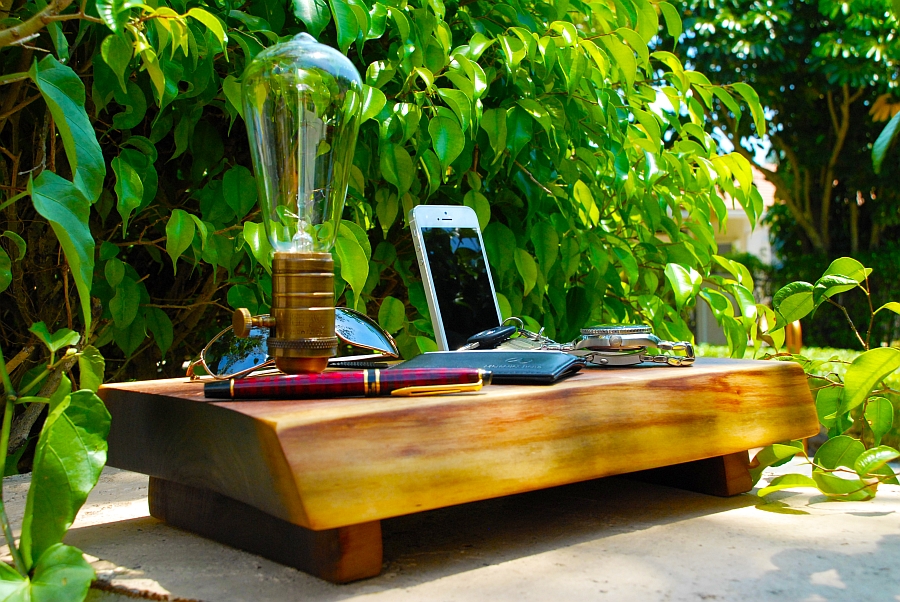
x: 849, y: 321
x: 10, y: 399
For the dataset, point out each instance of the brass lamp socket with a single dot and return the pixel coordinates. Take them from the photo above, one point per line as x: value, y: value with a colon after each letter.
x: 302, y: 337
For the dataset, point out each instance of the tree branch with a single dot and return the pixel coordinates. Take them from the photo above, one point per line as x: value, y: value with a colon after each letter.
x: 13, y: 35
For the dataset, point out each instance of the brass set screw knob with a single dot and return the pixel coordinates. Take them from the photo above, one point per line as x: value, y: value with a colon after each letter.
x: 243, y: 322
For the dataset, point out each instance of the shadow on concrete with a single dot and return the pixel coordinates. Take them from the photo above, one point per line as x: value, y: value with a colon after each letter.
x: 827, y: 573
x: 418, y: 548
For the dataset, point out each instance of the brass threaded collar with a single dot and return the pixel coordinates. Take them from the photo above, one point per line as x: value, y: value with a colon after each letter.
x: 311, y: 343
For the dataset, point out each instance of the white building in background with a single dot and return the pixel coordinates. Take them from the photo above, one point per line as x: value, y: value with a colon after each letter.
x: 740, y: 236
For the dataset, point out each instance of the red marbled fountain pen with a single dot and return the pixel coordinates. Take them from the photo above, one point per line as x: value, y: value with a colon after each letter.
x: 356, y: 383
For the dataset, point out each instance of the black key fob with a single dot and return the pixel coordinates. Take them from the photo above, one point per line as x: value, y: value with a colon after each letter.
x: 490, y: 338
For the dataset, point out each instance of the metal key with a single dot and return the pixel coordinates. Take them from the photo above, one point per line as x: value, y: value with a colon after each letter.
x: 490, y: 338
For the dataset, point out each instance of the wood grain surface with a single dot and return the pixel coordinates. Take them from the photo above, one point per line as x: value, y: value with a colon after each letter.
x: 323, y: 464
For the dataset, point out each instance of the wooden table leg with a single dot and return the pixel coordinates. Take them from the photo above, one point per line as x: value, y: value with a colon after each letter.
x: 337, y: 555
x: 723, y: 476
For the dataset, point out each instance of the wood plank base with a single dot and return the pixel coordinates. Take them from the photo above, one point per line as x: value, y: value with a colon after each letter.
x: 338, y: 555
x: 723, y: 476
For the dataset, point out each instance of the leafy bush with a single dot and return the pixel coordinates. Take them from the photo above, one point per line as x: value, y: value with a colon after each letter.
x: 130, y: 215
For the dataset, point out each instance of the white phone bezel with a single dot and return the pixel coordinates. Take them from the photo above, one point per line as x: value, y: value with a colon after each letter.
x: 444, y: 216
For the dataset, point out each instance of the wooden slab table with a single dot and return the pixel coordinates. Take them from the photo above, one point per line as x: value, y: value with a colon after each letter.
x: 306, y: 483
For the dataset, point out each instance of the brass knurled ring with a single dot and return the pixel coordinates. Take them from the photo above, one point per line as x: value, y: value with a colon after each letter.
x: 312, y: 343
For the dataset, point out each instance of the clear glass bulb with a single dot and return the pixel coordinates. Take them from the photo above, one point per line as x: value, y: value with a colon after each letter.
x: 302, y: 103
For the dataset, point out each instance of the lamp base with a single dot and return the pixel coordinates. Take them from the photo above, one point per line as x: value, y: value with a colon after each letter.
x: 302, y: 338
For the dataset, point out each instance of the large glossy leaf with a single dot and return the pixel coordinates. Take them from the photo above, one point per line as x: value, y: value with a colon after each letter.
x: 527, y: 269
x: 681, y: 282
x: 62, y: 204
x: 91, y: 366
x: 842, y: 450
x: 447, y: 139
x: 880, y: 417
x: 126, y: 302
x: 61, y: 574
x: 787, y: 481
x: 354, y: 264
x: 69, y: 456
x: 871, y: 460
x: 346, y: 24
x: 752, y: 99
x: 129, y: 189
x: 239, y: 187
x: 849, y: 268
x: 180, y: 231
x: 115, y: 12
x: 391, y: 314
x: 866, y: 371
x: 315, y: 14
x: 260, y: 248
x: 397, y: 167
x: 794, y: 301
x: 771, y: 456
x: 852, y: 490
x: 63, y: 92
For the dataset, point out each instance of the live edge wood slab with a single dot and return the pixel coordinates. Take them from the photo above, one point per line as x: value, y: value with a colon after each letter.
x: 307, y: 482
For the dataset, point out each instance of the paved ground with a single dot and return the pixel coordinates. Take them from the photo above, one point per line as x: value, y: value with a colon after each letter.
x: 610, y: 539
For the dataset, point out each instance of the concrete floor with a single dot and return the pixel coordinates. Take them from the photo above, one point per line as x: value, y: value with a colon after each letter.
x: 610, y: 539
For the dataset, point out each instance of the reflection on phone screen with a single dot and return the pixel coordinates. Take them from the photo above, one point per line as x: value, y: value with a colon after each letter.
x: 461, y: 283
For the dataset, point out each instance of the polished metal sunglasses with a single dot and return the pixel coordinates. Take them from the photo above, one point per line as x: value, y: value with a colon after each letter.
x: 229, y: 356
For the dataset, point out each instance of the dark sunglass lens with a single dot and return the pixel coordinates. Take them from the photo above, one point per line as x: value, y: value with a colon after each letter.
x: 358, y: 329
x: 229, y: 354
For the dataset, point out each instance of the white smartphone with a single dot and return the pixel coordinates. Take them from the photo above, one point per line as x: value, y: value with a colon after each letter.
x: 455, y: 272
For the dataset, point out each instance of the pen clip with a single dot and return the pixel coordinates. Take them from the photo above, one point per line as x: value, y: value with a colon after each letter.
x: 423, y: 390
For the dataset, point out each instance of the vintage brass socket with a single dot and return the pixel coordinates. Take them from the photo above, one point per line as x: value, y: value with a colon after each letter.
x: 302, y: 321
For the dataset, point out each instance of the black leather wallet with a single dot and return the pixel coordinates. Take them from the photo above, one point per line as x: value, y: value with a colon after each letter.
x: 507, y: 367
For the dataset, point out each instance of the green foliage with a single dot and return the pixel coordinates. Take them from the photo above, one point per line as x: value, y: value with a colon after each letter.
x: 825, y: 72
x: 599, y: 200
x: 855, y: 396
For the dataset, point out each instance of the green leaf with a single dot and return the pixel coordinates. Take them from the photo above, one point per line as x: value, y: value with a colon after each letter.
x: 447, y: 139
x: 770, y: 456
x: 752, y: 99
x: 391, y: 314
x: 21, y: 247
x: 240, y: 296
x: 787, y: 481
x: 117, y: 53
x: 880, y: 417
x: 828, y: 400
x: 345, y: 22
x: 624, y: 58
x: 537, y: 112
x: 62, y: 204
x: 494, y: 123
x: 114, y: 272
x: 890, y: 306
x: 5, y: 270
x: 518, y: 130
x: 232, y: 89
x: 315, y: 14
x: 255, y: 237
x: 160, y: 325
x: 828, y: 286
x: 92, y: 367
x: 527, y: 269
x: 125, y: 304
x: 129, y: 189
x: 883, y: 143
x: 213, y: 24
x: 179, y: 235
x: 673, y: 20
x: 848, y: 267
x: 13, y: 586
x: 239, y: 187
x: 851, y: 490
x: 373, y: 101
x: 61, y: 574
x: 842, y: 450
x: 682, y: 283
x: 872, y: 459
x: 59, y: 339
x: 115, y: 12
x: 866, y: 371
x: 69, y: 456
x: 794, y: 301
x: 397, y: 167
x: 63, y: 92
x: 479, y: 203
x: 386, y: 208
x: 546, y: 245
x: 354, y: 264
